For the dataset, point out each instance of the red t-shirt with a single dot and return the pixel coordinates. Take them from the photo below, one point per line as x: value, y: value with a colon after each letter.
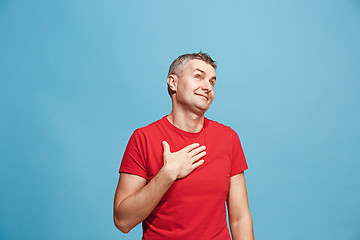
x: 193, y: 207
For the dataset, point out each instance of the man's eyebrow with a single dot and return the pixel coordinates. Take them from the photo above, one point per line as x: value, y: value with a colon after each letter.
x: 198, y: 69
x: 203, y: 72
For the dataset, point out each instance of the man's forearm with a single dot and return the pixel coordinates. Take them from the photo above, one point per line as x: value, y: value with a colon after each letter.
x: 135, y: 208
x: 242, y: 229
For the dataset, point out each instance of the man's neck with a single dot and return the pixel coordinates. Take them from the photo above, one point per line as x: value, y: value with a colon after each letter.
x: 189, y: 122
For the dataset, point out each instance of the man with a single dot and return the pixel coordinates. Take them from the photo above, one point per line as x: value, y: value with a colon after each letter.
x: 178, y: 172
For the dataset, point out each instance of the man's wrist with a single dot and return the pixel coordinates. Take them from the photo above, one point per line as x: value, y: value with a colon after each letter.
x: 167, y: 174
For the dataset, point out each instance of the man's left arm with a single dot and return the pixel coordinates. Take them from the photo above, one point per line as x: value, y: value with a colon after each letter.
x: 240, y: 221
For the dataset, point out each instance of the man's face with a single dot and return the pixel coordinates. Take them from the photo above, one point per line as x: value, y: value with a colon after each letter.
x: 195, y: 86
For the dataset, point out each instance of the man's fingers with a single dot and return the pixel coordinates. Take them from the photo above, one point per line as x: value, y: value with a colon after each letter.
x: 191, y: 147
x: 197, y: 164
x: 166, y: 147
x: 198, y: 156
x: 197, y: 150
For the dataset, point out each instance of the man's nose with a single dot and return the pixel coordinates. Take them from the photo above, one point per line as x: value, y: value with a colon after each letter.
x: 207, y: 86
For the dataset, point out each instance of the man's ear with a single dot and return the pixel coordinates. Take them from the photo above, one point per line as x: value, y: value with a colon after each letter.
x: 172, y: 82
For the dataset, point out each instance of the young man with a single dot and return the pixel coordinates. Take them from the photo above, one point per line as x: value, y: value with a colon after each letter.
x: 178, y: 172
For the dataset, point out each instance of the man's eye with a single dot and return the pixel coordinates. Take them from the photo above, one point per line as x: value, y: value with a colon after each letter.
x: 197, y: 76
x: 212, y: 83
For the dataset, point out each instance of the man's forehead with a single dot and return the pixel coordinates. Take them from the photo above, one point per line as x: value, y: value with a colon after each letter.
x: 197, y: 64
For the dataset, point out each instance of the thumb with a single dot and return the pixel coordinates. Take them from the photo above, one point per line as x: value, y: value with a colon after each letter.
x: 166, y: 147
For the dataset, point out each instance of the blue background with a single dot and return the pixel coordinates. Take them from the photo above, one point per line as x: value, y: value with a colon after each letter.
x: 78, y: 77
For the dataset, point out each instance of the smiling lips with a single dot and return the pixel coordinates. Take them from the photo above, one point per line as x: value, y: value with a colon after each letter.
x: 201, y: 95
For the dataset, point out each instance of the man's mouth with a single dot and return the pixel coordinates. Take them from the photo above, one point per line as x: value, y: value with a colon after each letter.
x: 201, y: 95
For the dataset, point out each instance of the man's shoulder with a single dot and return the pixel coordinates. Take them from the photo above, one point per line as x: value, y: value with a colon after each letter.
x: 218, y: 126
x: 150, y: 127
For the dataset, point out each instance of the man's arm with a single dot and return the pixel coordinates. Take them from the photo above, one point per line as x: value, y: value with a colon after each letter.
x: 135, y: 200
x: 240, y: 221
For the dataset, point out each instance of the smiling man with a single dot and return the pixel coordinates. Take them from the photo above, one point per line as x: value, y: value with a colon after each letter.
x: 177, y: 173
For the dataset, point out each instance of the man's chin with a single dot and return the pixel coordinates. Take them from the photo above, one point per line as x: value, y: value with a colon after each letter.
x: 202, y: 109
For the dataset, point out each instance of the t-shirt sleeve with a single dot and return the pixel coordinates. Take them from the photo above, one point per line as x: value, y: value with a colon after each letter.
x: 133, y: 161
x: 238, y: 161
